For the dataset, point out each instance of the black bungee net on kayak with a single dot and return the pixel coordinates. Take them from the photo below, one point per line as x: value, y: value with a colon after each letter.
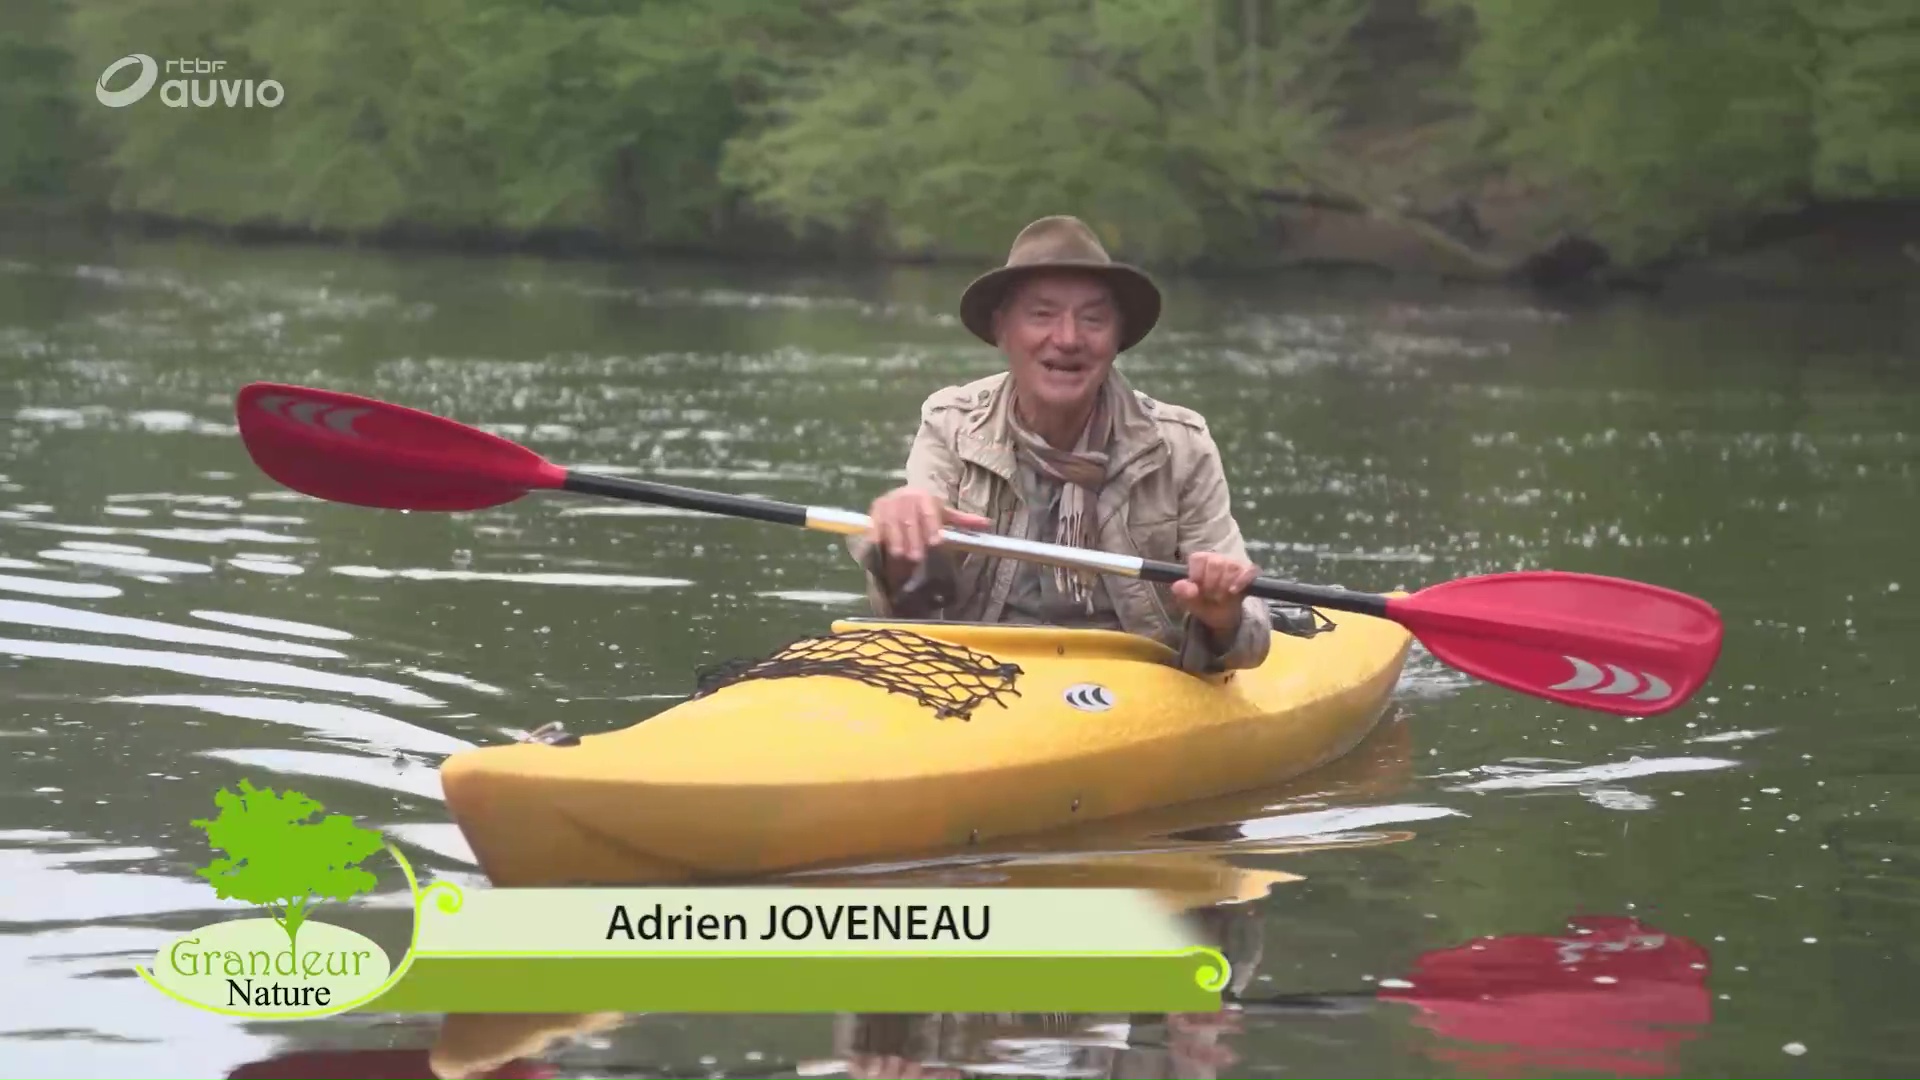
x: 952, y: 680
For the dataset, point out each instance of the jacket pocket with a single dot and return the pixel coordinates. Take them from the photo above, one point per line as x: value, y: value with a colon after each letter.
x: 978, y: 493
x: 1155, y: 538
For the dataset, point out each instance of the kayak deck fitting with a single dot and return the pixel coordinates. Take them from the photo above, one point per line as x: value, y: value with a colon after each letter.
x: 888, y: 738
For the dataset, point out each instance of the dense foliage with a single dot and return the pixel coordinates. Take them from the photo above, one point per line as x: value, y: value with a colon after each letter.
x: 1664, y: 123
x: 940, y: 125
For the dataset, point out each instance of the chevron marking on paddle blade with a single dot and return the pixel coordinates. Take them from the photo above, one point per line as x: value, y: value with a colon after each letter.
x: 1589, y: 676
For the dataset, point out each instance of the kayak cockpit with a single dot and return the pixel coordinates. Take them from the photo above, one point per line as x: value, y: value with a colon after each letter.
x: 1020, y: 639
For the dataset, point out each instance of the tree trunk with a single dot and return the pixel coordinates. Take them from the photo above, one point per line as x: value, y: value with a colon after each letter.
x: 1206, y: 47
x: 1250, y: 54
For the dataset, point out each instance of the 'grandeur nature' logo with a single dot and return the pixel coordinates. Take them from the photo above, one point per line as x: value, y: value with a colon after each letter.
x: 180, y: 93
x: 287, y: 964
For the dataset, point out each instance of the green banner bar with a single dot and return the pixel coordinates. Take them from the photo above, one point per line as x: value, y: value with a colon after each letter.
x: 1167, y: 982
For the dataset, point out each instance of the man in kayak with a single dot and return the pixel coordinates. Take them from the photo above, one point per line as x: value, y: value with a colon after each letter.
x: 1059, y: 448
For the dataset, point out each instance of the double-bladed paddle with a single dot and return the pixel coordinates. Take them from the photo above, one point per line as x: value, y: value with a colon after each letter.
x: 1601, y: 643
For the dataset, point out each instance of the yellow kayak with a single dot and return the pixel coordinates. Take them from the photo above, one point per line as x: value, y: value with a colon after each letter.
x: 884, y: 739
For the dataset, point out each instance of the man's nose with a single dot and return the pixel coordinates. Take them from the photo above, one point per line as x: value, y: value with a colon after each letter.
x: 1066, y: 332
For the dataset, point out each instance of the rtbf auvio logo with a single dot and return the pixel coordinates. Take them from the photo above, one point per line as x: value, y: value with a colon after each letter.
x: 181, y: 93
x: 281, y: 856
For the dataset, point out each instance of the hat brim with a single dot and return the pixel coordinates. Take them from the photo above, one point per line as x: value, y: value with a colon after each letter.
x: 1133, y: 292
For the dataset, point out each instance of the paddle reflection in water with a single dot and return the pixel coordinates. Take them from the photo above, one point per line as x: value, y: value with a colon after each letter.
x: 1613, y: 995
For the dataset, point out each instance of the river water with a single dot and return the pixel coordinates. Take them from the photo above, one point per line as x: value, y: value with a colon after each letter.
x: 174, y: 621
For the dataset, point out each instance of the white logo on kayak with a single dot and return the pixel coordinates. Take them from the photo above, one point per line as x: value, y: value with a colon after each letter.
x: 314, y: 414
x: 1089, y: 697
x: 1588, y: 676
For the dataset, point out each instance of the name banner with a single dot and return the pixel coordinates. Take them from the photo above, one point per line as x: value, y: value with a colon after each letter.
x: 800, y: 921
x: 733, y: 950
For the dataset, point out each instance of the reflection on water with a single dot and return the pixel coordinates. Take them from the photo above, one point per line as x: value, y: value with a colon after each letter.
x: 53, y: 877
x: 326, y: 722
x: 86, y: 1017
x: 76, y: 590
x: 224, y: 669
x: 54, y: 617
x: 1521, y: 778
x: 124, y: 557
x: 530, y: 578
x: 1610, y: 995
x: 284, y: 627
x: 1613, y: 996
x: 395, y: 775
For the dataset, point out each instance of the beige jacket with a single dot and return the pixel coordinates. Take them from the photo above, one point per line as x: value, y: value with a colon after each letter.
x: 1167, y: 499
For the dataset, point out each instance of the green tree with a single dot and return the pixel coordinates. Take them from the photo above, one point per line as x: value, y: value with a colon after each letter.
x: 939, y: 126
x: 1866, y: 101
x: 39, y: 148
x: 280, y: 860
x: 1661, y: 127
x: 933, y: 125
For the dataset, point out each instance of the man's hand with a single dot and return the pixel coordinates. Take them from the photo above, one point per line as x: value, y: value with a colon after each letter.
x: 907, y: 521
x: 1213, y: 589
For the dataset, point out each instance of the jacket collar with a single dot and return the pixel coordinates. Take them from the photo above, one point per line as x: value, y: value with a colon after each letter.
x: 987, y: 439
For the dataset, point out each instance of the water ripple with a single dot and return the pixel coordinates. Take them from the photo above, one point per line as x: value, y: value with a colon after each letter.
x: 1532, y: 780
x: 55, y: 617
x: 398, y: 775
x: 273, y: 626
x: 73, y: 590
x: 225, y: 669
x: 331, y: 723
x: 533, y: 578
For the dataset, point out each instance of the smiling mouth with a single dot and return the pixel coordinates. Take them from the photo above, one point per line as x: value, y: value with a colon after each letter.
x: 1064, y: 367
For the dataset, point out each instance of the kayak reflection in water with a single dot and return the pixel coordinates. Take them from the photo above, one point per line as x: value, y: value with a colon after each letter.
x: 878, y: 1047
x: 952, y: 1045
x: 1060, y: 449
x: 1610, y: 996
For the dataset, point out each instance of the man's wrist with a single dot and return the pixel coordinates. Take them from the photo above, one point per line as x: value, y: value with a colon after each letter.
x: 1227, y: 630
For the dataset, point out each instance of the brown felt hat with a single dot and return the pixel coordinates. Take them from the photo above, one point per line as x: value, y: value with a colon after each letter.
x: 1063, y: 243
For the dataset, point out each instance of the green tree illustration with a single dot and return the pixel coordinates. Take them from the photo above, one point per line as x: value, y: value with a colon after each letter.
x: 280, y: 860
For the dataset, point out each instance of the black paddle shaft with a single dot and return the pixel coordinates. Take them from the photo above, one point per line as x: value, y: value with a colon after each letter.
x: 615, y: 487
x: 785, y: 513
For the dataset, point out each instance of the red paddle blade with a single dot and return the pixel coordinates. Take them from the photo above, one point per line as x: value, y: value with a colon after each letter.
x: 350, y: 449
x: 1616, y: 646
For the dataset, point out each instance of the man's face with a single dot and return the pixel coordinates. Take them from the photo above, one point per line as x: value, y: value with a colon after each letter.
x: 1060, y: 333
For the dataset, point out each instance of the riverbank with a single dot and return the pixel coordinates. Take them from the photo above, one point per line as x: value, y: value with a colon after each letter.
x: 1441, y: 139
x: 1864, y: 249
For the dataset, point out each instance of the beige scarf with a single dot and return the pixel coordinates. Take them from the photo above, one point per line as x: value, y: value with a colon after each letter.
x: 1080, y: 472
